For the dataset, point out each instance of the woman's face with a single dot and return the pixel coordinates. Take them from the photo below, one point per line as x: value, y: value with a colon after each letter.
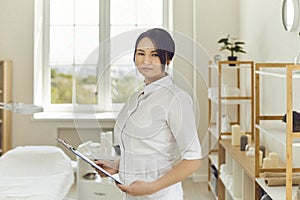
x: 147, y: 61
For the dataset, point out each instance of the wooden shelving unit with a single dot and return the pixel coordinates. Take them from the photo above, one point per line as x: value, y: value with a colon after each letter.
x: 5, y: 96
x: 217, y: 104
x: 275, y: 130
x: 237, y: 182
x: 212, y: 182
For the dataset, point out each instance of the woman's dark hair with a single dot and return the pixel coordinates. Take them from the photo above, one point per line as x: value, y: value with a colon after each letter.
x: 163, y: 42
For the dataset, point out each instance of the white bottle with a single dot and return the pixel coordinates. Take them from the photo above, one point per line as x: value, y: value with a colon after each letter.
x: 109, y: 143
x: 103, y: 142
x: 225, y: 124
x: 296, y: 60
x: 95, y: 149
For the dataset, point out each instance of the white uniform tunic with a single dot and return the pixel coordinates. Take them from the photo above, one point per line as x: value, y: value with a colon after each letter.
x: 156, y: 129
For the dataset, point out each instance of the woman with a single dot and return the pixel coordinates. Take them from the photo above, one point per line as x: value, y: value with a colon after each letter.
x: 156, y: 128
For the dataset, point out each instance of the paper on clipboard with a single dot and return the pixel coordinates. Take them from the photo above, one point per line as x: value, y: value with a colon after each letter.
x: 86, y: 159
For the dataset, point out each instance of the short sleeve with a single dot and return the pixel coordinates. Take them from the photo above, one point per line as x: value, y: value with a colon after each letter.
x: 182, y: 122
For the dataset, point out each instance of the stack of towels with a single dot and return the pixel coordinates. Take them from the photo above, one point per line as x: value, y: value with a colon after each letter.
x: 279, y: 179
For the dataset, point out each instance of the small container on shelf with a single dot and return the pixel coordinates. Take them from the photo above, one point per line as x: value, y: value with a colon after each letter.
x: 244, y: 142
x: 214, y: 179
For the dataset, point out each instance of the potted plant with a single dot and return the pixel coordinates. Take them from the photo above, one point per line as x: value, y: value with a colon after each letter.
x: 233, y: 45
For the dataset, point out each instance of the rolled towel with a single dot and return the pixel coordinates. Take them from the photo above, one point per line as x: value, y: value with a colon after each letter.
x: 281, y: 181
x: 273, y: 175
x: 277, y: 175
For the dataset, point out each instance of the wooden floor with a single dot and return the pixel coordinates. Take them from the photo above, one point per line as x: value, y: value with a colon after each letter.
x: 192, y: 191
x: 196, y: 190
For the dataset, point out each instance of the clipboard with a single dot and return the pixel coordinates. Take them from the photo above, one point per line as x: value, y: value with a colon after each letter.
x: 87, y: 160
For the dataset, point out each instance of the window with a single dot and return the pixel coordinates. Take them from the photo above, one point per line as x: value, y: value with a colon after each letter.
x: 72, y: 30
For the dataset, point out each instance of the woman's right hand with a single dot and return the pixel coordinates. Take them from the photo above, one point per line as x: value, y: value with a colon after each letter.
x: 110, y: 167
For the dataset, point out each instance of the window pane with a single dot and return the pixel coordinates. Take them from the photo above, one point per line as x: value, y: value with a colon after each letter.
x: 61, y: 12
x: 138, y: 15
x: 125, y: 81
x: 61, y: 45
x: 61, y: 84
x: 86, y: 82
x: 116, y: 30
x: 125, y: 60
x: 122, y: 12
x: 74, y: 35
x: 86, y: 41
x: 148, y: 27
x: 87, y: 12
x: 149, y: 12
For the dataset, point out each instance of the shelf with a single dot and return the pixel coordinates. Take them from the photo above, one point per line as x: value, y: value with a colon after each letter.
x: 280, y: 74
x: 240, y: 65
x: 246, y: 162
x: 213, y: 131
x: 230, y: 191
x: 232, y: 101
x: 232, y: 90
x: 273, y: 133
x: 277, y: 131
x: 276, y: 193
x: 214, y: 159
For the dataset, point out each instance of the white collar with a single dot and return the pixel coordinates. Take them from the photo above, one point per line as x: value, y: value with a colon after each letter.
x: 165, y: 81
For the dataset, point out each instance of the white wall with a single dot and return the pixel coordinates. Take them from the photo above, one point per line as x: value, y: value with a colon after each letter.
x: 267, y: 41
x: 261, y: 28
x: 215, y: 19
x: 16, y: 44
x: 200, y: 21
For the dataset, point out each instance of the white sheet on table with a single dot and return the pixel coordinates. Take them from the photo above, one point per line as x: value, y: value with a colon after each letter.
x: 35, y: 173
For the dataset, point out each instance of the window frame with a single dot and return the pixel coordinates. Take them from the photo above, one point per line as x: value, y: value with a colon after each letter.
x: 42, y: 71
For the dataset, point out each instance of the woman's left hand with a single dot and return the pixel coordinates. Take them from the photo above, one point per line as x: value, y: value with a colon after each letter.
x: 138, y: 188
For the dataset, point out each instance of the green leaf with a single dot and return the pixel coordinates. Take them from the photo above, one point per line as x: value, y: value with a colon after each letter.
x: 223, y: 40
